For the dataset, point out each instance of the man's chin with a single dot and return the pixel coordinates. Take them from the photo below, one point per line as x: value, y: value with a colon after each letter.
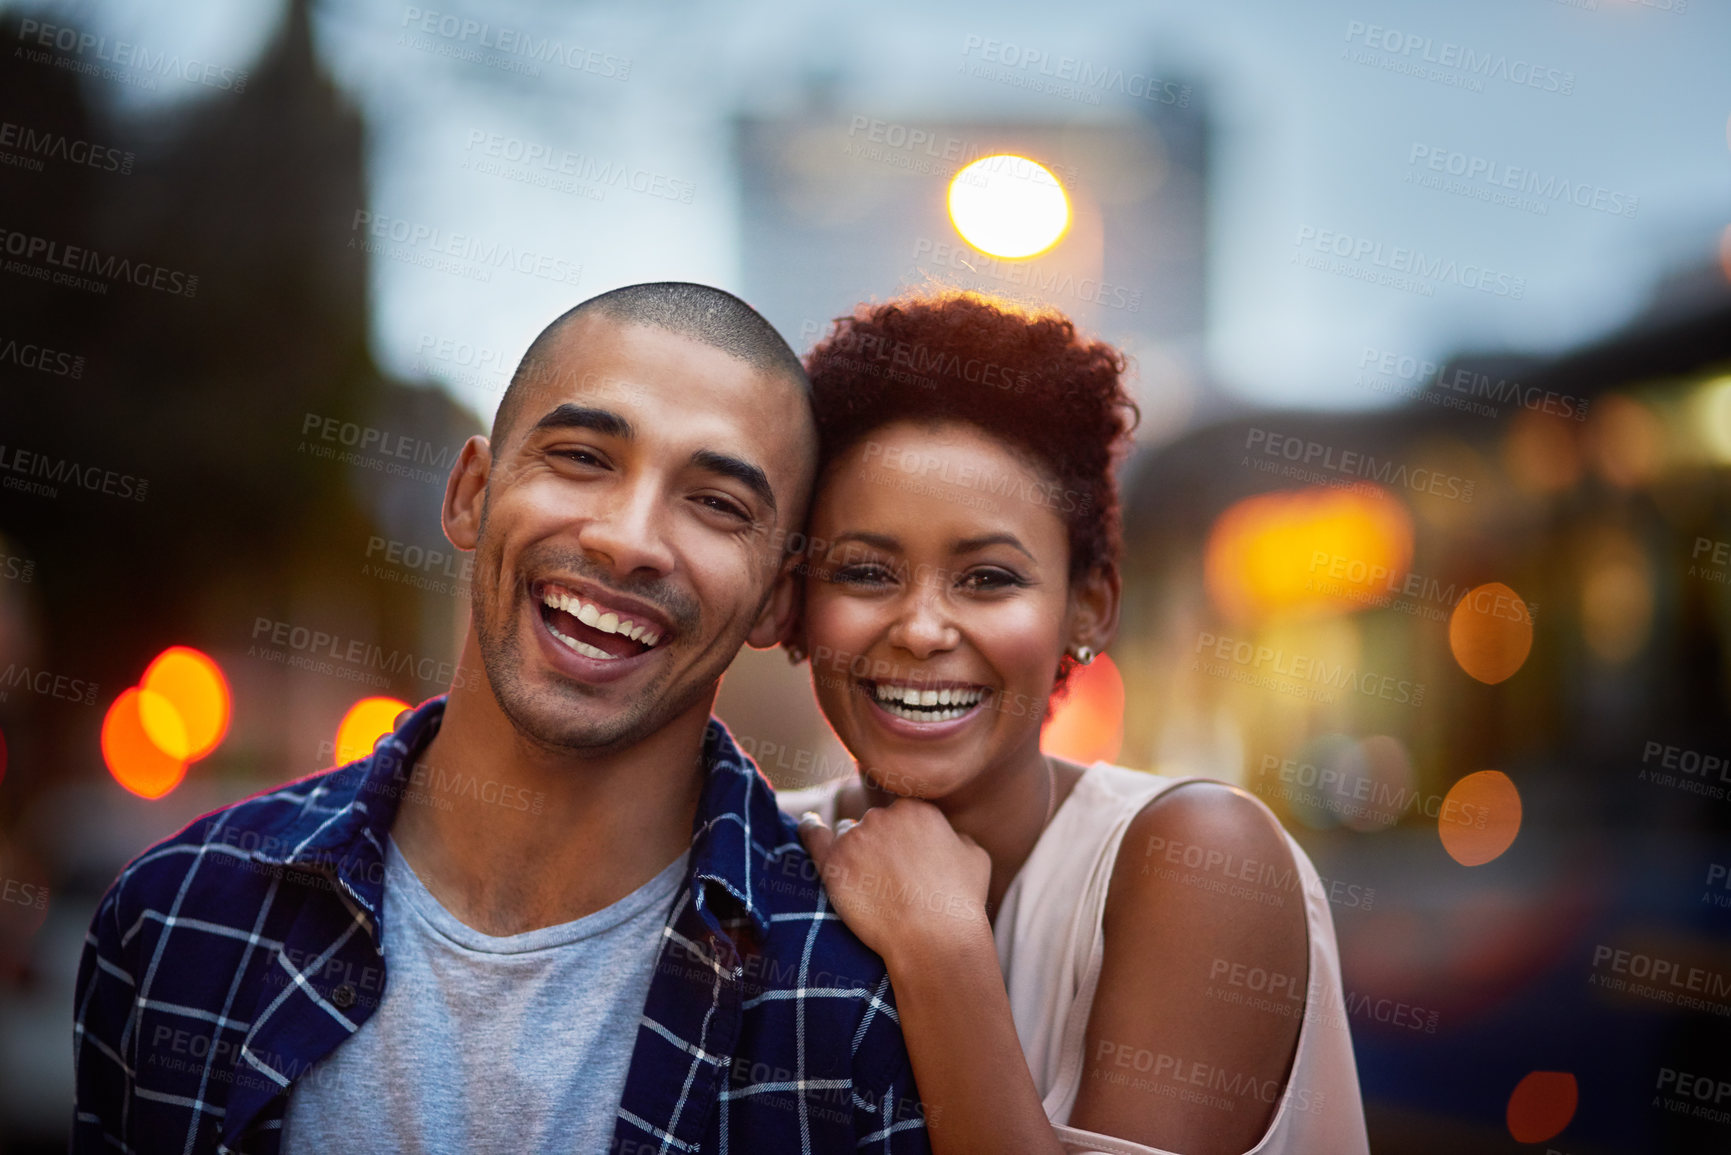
x: 557, y: 722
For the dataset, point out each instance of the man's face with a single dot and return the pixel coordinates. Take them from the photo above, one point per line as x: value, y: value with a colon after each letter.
x: 631, y: 530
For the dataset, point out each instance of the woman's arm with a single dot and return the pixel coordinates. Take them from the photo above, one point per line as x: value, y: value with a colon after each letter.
x: 914, y: 891
x: 1204, y: 984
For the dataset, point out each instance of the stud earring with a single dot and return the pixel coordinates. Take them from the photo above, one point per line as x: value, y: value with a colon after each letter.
x: 1083, y: 654
x: 795, y: 654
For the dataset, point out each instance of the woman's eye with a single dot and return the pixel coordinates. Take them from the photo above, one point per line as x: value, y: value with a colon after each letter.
x: 863, y: 574
x: 985, y: 580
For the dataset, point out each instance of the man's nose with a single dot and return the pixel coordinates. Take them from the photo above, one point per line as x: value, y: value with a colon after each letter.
x: 629, y: 531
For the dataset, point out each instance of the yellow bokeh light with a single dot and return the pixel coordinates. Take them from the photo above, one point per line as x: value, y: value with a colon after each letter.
x: 184, y: 703
x: 1713, y: 415
x: 163, y: 724
x: 1008, y: 206
x: 367, y: 721
x: 1319, y: 549
x: 1617, y: 604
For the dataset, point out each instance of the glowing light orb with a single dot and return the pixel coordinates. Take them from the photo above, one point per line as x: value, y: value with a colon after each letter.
x: 1480, y: 817
x: 1008, y: 206
x: 1713, y: 406
x: 1307, y: 551
x: 367, y: 721
x: 132, y: 756
x: 1491, y: 632
x: 1542, y: 1104
x: 1088, y: 725
x: 185, y: 704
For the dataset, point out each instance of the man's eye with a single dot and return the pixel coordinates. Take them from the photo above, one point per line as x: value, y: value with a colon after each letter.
x: 722, y: 505
x: 580, y: 456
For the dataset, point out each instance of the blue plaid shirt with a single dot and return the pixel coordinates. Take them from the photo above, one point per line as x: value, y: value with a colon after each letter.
x: 224, y: 963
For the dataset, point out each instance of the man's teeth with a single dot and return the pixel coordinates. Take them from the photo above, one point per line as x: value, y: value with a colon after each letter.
x: 919, y: 705
x: 604, y: 620
x: 584, y: 648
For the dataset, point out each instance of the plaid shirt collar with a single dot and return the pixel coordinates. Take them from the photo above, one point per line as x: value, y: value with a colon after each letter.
x: 349, y: 844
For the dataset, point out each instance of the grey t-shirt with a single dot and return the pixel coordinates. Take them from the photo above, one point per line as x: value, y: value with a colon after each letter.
x: 487, y: 1043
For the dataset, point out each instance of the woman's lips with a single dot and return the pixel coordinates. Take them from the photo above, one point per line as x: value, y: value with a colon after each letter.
x: 924, y: 710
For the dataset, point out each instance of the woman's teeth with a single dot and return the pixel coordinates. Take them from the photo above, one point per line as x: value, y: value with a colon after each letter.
x: 917, y: 705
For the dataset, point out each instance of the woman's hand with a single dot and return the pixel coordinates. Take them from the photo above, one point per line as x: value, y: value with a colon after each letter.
x: 903, y: 880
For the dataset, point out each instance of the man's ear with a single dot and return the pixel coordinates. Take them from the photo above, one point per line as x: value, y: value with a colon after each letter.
x: 466, y: 493
x: 780, y: 620
x: 1094, y: 603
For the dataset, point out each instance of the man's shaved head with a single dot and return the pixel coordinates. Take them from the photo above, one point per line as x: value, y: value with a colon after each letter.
x: 704, y: 314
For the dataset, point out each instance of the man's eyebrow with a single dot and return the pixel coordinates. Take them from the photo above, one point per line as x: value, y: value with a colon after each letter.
x: 602, y: 421
x: 744, y: 472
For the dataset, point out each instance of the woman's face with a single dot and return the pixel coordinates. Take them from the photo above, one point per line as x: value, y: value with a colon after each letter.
x: 939, y: 608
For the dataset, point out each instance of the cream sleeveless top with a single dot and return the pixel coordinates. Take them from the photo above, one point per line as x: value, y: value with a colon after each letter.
x: 1051, y: 944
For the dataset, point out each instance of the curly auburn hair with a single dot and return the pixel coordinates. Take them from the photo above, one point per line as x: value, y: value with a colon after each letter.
x: 1021, y: 375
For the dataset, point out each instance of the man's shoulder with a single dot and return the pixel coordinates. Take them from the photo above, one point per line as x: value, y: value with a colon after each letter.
x: 260, y: 832
x: 804, y: 925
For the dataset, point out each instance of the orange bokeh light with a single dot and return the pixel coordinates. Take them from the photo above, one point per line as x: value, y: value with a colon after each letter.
x: 1088, y: 725
x: 1627, y: 440
x: 136, y: 762
x: 1307, y: 551
x: 1542, y: 1104
x: 191, y: 685
x: 367, y: 721
x: 1491, y: 632
x: 1540, y: 454
x: 1480, y: 817
x: 177, y: 714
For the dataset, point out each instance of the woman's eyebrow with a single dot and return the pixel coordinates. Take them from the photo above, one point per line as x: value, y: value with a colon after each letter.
x: 975, y: 544
x: 881, y: 541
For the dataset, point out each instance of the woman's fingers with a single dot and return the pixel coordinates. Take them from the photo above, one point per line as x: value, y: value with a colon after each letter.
x: 816, y: 835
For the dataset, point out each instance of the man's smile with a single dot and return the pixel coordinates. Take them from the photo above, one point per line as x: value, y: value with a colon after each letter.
x: 599, y: 627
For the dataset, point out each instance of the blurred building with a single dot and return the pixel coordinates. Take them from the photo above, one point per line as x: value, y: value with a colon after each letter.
x: 1299, y: 619
x: 193, y: 411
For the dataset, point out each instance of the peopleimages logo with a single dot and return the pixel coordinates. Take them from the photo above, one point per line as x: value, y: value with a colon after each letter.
x: 23, y: 468
x: 1068, y: 76
x: 515, y: 42
x: 1448, y: 62
x: 1482, y: 178
x: 1377, y: 262
x: 62, y: 264
x: 34, y: 145
x: 125, y: 54
x: 461, y: 253
x: 1384, y: 471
